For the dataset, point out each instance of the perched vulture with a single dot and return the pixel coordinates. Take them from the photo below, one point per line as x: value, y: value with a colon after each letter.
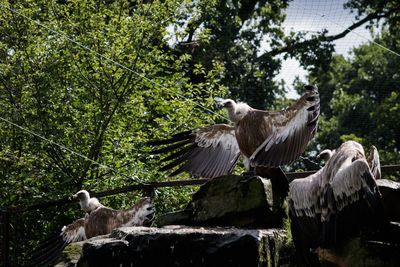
x: 337, y: 202
x: 99, y: 220
x: 265, y: 139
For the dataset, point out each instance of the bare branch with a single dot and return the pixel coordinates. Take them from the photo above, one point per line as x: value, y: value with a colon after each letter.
x: 329, y: 38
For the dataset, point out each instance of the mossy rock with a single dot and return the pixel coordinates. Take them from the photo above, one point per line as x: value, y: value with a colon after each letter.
x: 71, y: 255
x: 185, y: 246
x: 230, y: 201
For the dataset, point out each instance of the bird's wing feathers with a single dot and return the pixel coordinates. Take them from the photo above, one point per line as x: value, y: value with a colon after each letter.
x: 355, y: 203
x: 354, y: 183
x: 304, y: 194
x: 50, y: 250
x: 75, y: 231
x: 374, y: 163
x: 290, y: 132
x: 305, y: 213
x: 336, y: 202
x: 204, y: 152
x: 102, y: 221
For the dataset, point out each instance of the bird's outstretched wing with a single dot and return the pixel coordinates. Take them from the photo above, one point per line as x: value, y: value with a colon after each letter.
x: 287, y: 132
x: 355, y: 182
x: 206, y: 152
x: 305, y: 210
x: 305, y: 216
x: 50, y: 249
x: 355, y: 203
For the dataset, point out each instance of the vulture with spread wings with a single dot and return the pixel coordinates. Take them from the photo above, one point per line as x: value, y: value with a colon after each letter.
x: 265, y: 139
x: 99, y: 220
x: 337, y: 202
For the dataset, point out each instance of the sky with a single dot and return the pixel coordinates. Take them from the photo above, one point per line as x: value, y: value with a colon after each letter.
x: 314, y: 15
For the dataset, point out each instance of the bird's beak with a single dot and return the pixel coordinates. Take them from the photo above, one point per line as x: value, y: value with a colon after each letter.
x: 75, y: 196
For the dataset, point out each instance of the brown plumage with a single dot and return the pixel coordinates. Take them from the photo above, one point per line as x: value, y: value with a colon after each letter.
x: 98, y: 221
x: 263, y: 138
x: 203, y: 152
x: 337, y: 202
x: 103, y: 220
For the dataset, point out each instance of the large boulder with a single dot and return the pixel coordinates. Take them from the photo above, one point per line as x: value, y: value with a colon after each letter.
x: 390, y: 191
x: 230, y: 201
x: 71, y: 255
x: 184, y: 246
x: 359, y: 252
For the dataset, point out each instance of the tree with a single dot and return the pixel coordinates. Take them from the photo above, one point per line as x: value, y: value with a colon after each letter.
x: 247, y: 39
x: 352, y: 89
x: 95, y: 80
x: 101, y: 78
x: 232, y: 33
x: 360, y: 97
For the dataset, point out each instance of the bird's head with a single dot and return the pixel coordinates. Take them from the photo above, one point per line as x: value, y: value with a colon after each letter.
x: 82, y: 195
x: 225, y: 103
x: 326, y: 154
x: 236, y: 111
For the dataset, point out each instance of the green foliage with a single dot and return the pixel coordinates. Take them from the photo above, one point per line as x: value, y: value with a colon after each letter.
x: 124, y: 72
x: 233, y: 33
x: 71, y: 88
x: 360, y: 98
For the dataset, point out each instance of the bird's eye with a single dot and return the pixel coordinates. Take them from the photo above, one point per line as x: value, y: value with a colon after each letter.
x: 238, y: 112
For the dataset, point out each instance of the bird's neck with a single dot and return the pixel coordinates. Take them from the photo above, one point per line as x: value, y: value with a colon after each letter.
x: 84, y: 204
x: 238, y: 112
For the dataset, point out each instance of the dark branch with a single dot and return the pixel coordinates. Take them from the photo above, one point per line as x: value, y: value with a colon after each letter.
x: 330, y: 38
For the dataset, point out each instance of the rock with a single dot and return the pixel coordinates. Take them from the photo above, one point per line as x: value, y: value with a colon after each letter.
x: 186, y: 246
x: 71, y: 255
x: 182, y: 217
x: 390, y: 191
x: 358, y: 252
x: 230, y: 201
x: 388, y: 233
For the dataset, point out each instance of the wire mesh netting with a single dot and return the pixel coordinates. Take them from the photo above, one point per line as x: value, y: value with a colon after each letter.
x: 369, y: 113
